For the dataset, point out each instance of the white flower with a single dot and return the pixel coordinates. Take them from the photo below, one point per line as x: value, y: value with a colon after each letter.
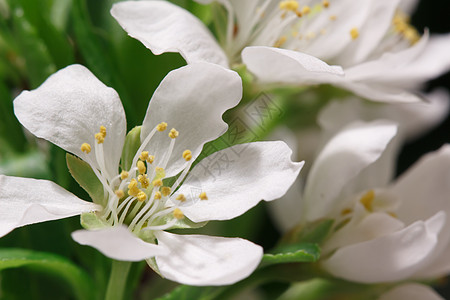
x: 383, y: 231
x: 382, y: 56
x: 411, y: 291
x: 78, y: 113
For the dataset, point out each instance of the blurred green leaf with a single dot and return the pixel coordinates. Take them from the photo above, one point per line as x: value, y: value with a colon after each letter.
x: 50, y: 264
x: 130, y: 147
x: 293, y: 253
x: 185, y: 292
x: 29, y: 164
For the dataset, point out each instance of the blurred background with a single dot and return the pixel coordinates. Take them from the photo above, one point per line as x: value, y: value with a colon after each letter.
x: 38, y: 38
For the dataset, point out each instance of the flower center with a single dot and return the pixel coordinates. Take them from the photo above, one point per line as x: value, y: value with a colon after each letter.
x: 141, y: 197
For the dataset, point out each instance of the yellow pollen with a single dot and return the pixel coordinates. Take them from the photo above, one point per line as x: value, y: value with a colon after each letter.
x: 103, y: 131
x: 203, y: 196
x: 333, y: 17
x: 133, y: 190
x: 280, y: 42
x: 141, y: 167
x: 86, y: 148
x: 187, y: 155
x: 288, y: 5
x: 393, y: 214
x: 177, y: 213
x: 367, y: 199
x: 161, y: 126
x: 144, y: 155
x: 346, y: 211
x: 119, y: 193
x: 124, y: 175
x: 141, y: 196
x: 150, y: 159
x: 165, y: 190
x: 354, y: 33
x: 157, y: 182
x: 100, y: 138
x: 160, y: 172
x: 144, y: 181
x: 306, y: 10
x: 181, y: 198
x: 325, y: 3
x: 173, y: 133
x: 158, y: 195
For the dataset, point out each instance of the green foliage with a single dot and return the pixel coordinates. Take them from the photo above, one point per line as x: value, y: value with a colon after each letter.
x: 293, y: 253
x: 52, y: 264
x: 130, y: 147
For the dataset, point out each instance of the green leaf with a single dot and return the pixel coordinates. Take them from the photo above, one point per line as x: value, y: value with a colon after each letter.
x: 316, y: 232
x: 91, y: 221
x: 51, y: 264
x: 294, y: 253
x: 86, y: 178
x: 130, y: 147
x: 185, y: 292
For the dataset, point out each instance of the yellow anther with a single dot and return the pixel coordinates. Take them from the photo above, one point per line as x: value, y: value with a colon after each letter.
x: 288, y: 5
x: 165, y: 190
x: 133, y: 190
x: 124, y: 175
x: 187, y: 155
x: 119, y: 193
x: 392, y: 214
x: 157, y: 182
x: 160, y: 172
x: 144, y: 181
x: 306, y: 10
x: 100, y: 138
x: 158, y: 195
x: 280, y: 42
x: 161, y: 126
x: 141, y: 167
x: 141, y: 196
x: 86, y: 148
x: 346, y: 211
x: 325, y: 3
x: 333, y: 17
x: 354, y: 33
x: 103, y: 131
x: 144, y: 155
x: 181, y: 198
x: 203, y: 196
x: 173, y: 133
x: 150, y: 159
x: 177, y: 213
x: 367, y: 199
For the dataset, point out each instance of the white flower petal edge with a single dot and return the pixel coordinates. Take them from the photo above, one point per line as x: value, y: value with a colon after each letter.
x: 428, y: 179
x: 411, y: 291
x: 118, y: 243
x: 196, y: 112
x: 165, y: 27
x: 25, y: 201
x: 237, y: 178
x: 207, y: 260
x: 389, y: 258
x: 271, y: 64
x: 68, y: 110
x: 343, y: 158
x: 413, y: 118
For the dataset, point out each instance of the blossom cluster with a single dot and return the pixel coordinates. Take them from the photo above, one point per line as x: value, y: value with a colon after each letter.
x: 148, y: 185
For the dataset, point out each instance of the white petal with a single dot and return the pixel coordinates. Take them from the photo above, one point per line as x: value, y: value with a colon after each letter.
x: 411, y: 291
x: 118, y: 243
x: 389, y: 258
x: 207, y: 260
x: 191, y: 99
x: 237, y: 178
x: 408, y: 6
x: 68, y: 110
x: 343, y: 158
x: 413, y: 119
x: 25, y: 201
x: 424, y: 190
x: 165, y: 27
x: 271, y: 64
